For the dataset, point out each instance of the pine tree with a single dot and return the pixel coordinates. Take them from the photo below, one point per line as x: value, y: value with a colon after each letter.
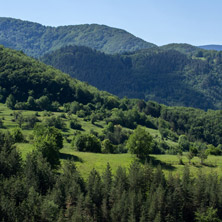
x: 107, y: 186
x: 94, y: 195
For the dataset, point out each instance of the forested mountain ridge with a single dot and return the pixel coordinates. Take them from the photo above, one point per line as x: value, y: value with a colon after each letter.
x: 181, y: 47
x: 176, y: 74
x: 211, y: 47
x: 35, y: 39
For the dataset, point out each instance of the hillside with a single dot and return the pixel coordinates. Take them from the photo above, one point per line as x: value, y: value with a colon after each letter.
x: 173, y: 75
x: 35, y: 40
x: 24, y: 80
x: 27, y: 84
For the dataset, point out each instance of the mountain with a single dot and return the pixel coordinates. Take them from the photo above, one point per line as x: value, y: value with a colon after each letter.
x: 183, y: 48
x: 25, y: 81
x: 192, y: 78
x: 211, y: 47
x: 35, y: 40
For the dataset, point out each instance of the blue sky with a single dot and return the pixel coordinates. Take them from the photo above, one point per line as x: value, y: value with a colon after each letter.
x: 196, y: 22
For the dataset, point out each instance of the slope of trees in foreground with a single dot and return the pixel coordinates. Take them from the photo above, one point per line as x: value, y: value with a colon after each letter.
x: 33, y: 191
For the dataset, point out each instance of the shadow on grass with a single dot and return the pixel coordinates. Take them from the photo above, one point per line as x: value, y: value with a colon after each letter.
x: 98, y: 125
x: 66, y: 156
x: 154, y: 162
x: 198, y: 165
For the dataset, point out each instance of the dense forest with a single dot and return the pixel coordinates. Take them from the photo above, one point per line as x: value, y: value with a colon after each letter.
x: 173, y: 75
x: 33, y: 191
x: 35, y: 39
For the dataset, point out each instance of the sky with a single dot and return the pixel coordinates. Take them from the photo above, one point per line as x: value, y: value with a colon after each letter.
x: 196, y: 22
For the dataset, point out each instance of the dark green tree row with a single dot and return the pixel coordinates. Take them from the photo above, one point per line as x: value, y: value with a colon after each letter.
x: 33, y: 191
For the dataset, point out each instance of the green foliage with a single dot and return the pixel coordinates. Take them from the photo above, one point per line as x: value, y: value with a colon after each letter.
x: 35, y: 39
x: 183, y: 143
x: 10, y: 101
x: 201, y: 151
x: 48, y: 141
x: 165, y: 75
x: 107, y: 146
x: 140, y: 193
x: 74, y: 124
x: 140, y: 143
x: 41, y: 130
x: 196, y: 124
x: 212, y: 150
x: 206, y: 216
x: 116, y: 134
x: 31, y: 121
x: 38, y: 172
x: 28, y: 84
x: 49, y: 149
x: 1, y: 123
x: 10, y: 159
x: 86, y: 143
x: 57, y: 122
x: 43, y: 103
x: 17, y: 135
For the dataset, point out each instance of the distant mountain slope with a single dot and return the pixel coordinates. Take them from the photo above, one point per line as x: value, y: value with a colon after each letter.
x: 166, y: 76
x: 35, y: 39
x: 211, y: 47
x: 183, y: 48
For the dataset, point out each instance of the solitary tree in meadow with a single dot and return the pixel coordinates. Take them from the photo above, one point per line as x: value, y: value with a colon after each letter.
x: 140, y: 143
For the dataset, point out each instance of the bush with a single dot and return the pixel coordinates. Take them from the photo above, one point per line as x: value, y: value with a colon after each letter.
x: 75, y: 125
x: 17, y: 135
x: 48, y: 140
x: 31, y: 121
x: 57, y: 122
x: 107, y: 146
x: 86, y: 143
x: 214, y: 150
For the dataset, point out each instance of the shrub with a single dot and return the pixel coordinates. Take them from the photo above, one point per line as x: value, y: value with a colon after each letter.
x: 17, y: 135
x: 75, y: 125
x: 86, y: 143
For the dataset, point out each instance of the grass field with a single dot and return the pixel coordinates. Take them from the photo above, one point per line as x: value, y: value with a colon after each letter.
x: 85, y: 162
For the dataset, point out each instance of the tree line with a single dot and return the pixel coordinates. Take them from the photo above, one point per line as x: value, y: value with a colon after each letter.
x: 33, y: 190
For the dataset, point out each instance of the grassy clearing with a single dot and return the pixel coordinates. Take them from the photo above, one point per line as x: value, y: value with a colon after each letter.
x: 85, y: 162
x: 212, y: 164
x: 24, y: 149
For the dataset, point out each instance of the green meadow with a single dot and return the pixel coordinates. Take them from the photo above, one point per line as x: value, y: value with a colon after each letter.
x: 85, y: 161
